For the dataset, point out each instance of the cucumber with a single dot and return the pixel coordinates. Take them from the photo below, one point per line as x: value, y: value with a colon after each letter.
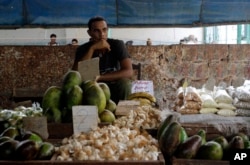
x: 202, y: 134
x: 183, y: 135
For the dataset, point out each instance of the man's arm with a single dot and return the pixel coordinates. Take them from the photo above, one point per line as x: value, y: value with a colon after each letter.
x: 100, y: 45
x: 126, y: 71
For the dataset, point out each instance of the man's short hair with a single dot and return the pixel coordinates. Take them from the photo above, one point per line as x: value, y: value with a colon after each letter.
x: 95, y: 19
x: 74, y: 39
x: 52, y: 35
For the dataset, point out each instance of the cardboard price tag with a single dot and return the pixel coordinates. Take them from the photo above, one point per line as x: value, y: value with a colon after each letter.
x: 142, y: 86
x: 85, y: 118
x: 37, y: 125
x: 125, y: 106
x: 89, y: 69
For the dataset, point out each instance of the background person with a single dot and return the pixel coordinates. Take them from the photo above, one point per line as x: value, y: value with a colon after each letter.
x: 53, y: 40
x: 149, y: 42
x: 115, y: 63
x: 74, y: 41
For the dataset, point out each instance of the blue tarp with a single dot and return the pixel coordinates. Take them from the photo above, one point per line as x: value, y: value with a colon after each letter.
x: 11, y: 12
x: 74, y: 13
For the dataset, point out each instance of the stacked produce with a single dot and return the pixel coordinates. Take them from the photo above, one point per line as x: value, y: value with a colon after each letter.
x: 109, y: 143
x: 122, y: 140
x: 242, y: 100
x: 188, y: 100
x: 224, y: 102
x: 174, y: 142
x: 220, y: 101
x: 58, y: 101
x: 145, y: 98
x: 17, y: 144
x: 13, y: 117
x: 145, y: 117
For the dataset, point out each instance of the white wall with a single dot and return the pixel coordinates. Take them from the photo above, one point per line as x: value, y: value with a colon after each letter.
x: 34, y: 36
x: 159, y: 36
x: 226, y: 34
x: 40, y: 36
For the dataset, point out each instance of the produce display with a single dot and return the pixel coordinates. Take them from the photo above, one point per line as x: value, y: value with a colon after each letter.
x: 222, y: 101
x: 124, y: 137
x: 174, y: 142
x: 143, y: 97
x: 17, y: 144
x: 13, y: 117
x: 58, y: 101
x: 109, y: 143
x: 145, y: 117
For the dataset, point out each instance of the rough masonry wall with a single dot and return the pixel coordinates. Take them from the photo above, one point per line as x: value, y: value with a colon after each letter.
x: 169, y: 66
x: 30, y: 70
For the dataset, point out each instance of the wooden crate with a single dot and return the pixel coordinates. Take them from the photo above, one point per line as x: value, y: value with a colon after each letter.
x: 60, y: 130
x: 211, y: 130
x: 161, y: 161
x: 176, y: 161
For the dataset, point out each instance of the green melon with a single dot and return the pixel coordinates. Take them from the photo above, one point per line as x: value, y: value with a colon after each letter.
x: 106, y: 90
x: 51, y: 104
x: 211, y: 150
x: 86, y: 84
x: 73, y: 97
x: 51, y: 98
x: 111, y: 105
x: 70, y: 79
x: 94, y: 95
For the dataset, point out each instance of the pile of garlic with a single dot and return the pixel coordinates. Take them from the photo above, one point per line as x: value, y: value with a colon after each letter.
x: 109, y: 143
x: 146, y: 117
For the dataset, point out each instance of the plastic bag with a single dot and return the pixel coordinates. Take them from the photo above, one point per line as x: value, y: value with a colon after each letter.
x: 221, y: 96
x: 226, y: 106
x: 192, y: 105
x: 184, y: 110
x: 226, y: 112
x: 241, y: 104
x: 243, y: 93
x: 208, y: 101
x: 243, y: 112
x: 191, y: 94
x: 180, y: 92
x: 208, y: 110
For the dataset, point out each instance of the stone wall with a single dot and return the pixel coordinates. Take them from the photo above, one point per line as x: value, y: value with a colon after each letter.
x: 27, y: 71
x: 169, y: 66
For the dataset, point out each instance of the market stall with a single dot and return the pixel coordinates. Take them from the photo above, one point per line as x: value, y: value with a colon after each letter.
x: 170, y: 68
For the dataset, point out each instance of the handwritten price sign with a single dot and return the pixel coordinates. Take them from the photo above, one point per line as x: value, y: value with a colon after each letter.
x: 85, y: 118
x: 142, y: 86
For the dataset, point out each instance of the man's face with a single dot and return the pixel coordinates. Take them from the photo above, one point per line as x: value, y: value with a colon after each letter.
x: 74, y: 43
x: 53, y: 39
x: 98, y: 31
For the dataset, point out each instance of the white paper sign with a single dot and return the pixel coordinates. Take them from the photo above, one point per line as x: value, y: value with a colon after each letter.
x: 89, y: 69
x: 85, y: 118
x: 142, y: 86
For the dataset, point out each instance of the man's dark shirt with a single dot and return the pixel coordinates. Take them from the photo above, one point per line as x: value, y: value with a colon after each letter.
x: 109, y: 61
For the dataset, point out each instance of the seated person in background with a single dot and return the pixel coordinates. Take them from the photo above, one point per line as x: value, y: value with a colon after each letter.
x: 74, y: 41
x: 149, y: 42
x: 115, y: 63
x: 53, y: 40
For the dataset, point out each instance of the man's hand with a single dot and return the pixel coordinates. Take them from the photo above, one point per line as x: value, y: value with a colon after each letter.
x: 101, y: 45
x: 97, y: 78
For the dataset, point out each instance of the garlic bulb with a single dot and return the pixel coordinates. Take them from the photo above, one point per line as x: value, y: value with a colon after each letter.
x: 109, y: 143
